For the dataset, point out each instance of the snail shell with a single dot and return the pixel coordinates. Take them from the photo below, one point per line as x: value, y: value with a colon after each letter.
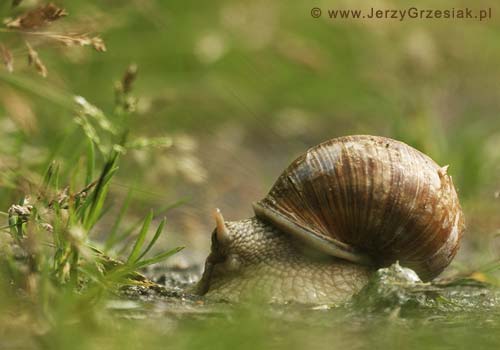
x: 369, y: 200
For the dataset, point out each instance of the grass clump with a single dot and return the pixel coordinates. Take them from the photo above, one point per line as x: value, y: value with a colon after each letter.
x: 57, y: 266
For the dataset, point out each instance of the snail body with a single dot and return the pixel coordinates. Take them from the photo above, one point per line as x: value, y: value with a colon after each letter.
x: 341, y: 210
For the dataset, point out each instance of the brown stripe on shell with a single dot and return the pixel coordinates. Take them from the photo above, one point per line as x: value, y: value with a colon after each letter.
x: 380, y: 197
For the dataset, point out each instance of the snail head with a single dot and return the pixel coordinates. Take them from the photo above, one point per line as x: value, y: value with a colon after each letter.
x: 233, y: 246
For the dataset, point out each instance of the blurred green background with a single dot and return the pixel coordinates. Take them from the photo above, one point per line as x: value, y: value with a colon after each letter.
x: 241, y: 88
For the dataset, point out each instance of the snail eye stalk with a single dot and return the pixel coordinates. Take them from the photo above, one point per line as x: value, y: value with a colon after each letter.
x: 221, y: 231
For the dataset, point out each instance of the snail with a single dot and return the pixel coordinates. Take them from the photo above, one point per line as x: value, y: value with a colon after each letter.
x: 340, y: 211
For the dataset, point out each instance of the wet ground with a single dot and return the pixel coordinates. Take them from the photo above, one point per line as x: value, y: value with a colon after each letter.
x: 393, y: 311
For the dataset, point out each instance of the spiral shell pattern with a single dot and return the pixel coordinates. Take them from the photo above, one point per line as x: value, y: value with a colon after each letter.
x: 371, y: 197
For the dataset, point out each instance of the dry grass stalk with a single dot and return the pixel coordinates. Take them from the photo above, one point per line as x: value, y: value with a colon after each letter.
x: 38, y: 17
x: 75, y: 39
x: 34, y: 60
x: 7, y: 58
x: 29, y: 23
x: 129, y: 78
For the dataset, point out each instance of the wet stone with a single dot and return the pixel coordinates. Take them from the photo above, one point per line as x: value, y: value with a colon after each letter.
x: 393, y: 288
x: 177, y: 278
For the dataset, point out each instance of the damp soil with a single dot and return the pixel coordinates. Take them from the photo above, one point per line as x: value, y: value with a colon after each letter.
x: 393, y: 311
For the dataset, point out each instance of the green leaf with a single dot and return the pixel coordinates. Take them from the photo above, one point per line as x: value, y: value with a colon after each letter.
x: 158, y: 258
x: 157, y: 235
x: 90, y: 161
x: 110, y: 241
x: 96, y: 200
x: 51, y: 175
x: 97, y: 205
x: 123, y: 236
x: 134, y: 255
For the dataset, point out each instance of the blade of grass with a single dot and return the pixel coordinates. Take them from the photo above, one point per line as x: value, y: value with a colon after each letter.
x: 96, y: 201
x: 174, y: 205
x: 139, y: 242
x: 158, y: 258
x: 90, y: 161
x: 58, y: 235
x: 51, y: 173
x: 96, y: 207
x: 126, y: 236
x: 157, y: 235
x: 96, y: 194
x: 114, y: 230
x: 8, y: 226
x: 13, y: 225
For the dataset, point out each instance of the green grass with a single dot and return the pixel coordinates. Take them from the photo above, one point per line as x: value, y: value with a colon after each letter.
x: 52, y: 268
x: 57, y: 271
